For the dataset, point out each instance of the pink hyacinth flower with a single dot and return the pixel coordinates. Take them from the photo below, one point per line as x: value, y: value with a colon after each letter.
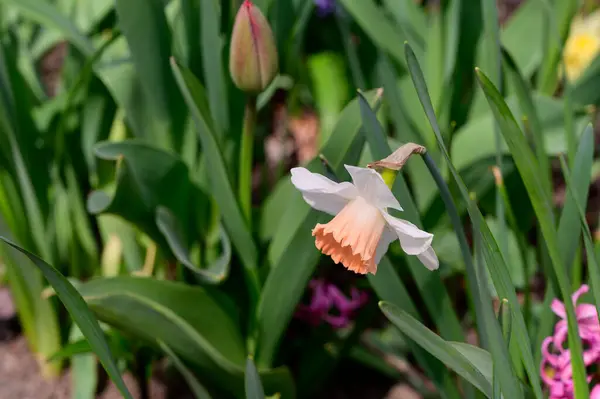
x: 587, y: 319
x: 556, y: 369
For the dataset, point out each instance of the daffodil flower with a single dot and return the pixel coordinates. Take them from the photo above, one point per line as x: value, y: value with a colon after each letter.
x: 582, y: 45
x: 362, y: 229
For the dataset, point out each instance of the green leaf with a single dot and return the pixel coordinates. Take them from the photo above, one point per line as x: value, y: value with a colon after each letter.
x: 523, y: 36
x: 169, y: 227
x: 495, y: 263
x: 440, y: 306
x: 81, y: 315
x: 558, y: 17
x: 212, y: 61
x: 568, y: 232
x: 435, y: 345
x: 411, y: 18
x: 233, y: 219
x: 154, y: 192
x: 195, y: 386
x: 254, y: 389
x: 330, y: 88
x: 83, y: 371
x: 18, y: 134
x: 389, y: 288
x: 479, y: 358
x: 167, y: 311
x: 529, y: 171
x: 145, y: 27
x: 377, y: 26
x: 578, y: 184
x: 45, y: 13
x: 292, y: 255
x: 526, y: 104
x: 582, y: 90
x: 475, y: 140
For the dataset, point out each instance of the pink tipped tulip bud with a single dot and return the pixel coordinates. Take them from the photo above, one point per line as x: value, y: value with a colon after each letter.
x: 253, y: 56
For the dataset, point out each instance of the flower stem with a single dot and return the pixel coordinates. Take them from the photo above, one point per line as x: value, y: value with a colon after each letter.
x: 460, y: 234
x: 246, y: 161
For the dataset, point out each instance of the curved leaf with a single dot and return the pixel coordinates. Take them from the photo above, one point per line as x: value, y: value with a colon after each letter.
x: 81, y: 315
x: 154, y: 192
x: 169, y: 227
x: 198, y: 390
x: 435, y: 345
x: 191, y: 320
x: 231, y: 213
x: 254, y: 389
x: 529, y: 170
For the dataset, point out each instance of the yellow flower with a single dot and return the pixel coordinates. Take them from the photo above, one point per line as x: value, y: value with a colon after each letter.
x: 582, y: 46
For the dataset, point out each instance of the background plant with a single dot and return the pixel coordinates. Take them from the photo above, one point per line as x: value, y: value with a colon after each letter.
x: 123, y: 172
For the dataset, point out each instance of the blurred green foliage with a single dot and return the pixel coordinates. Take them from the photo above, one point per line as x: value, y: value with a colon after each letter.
x: 121, y: 148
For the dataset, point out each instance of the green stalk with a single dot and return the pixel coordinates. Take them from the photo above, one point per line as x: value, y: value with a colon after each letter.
x: 246, y: 161
x: 245, y: 199
x: 462, y: 239
x: 512, y: 220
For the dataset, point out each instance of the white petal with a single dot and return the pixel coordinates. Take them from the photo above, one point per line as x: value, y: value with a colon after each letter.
x: 371, y: 187
x: 429, y: 259
x: 322, y: 193
x: 413, y: 240
x: 387, y: 237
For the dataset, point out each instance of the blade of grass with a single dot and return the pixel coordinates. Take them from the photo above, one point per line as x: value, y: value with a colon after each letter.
x: 81, y: 314
x: 529, y: 171
x: 523, y: 92
x: 592, y: 258
x: 568, y: 231
x: 491, y: 28
x: 491, y: 252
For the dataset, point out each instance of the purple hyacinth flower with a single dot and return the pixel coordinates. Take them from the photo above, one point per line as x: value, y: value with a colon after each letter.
x: 328, y: 304
x: 325, y: 7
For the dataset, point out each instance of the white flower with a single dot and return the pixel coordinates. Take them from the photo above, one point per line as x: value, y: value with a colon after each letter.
x: 362, y: 229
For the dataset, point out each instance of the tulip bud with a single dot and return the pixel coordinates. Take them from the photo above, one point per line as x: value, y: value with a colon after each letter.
x: 253, y: 60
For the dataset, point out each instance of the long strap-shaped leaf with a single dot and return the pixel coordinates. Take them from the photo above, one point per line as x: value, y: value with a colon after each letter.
x: 254, y: 388
x: 81, y: 314
x: 223, y: 191
x: 542, y: 205
x: 493, y: 257
x: 437, y: 346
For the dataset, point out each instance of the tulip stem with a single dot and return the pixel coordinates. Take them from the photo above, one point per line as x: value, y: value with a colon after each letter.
x: 246, y: 159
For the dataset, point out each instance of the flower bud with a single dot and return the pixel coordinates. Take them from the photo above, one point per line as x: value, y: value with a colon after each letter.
x: 253, y: 60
